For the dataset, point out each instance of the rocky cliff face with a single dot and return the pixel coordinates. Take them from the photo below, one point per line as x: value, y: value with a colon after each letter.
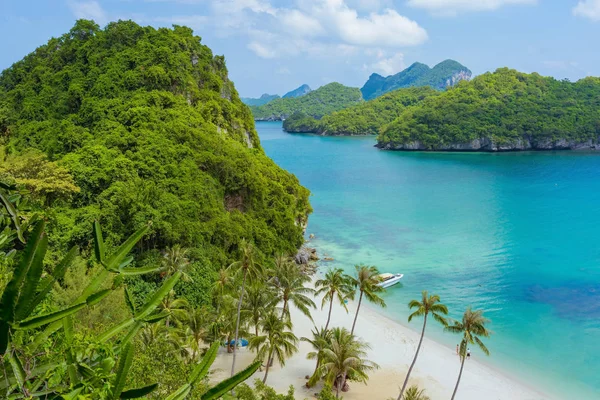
x: 487, y: 145
x: 463, y: 75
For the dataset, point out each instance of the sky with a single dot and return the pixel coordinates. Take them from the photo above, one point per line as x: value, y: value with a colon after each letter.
x: 273, y: 46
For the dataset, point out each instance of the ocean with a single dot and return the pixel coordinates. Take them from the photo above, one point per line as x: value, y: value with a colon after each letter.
x: 514, y: 234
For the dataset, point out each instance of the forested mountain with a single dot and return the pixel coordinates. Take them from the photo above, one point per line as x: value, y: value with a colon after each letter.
x: 443, y: 75
x: 298, y: 92
x: 365, y: 118
x: 264, y: 99
x: 147, y: 127
x: 502, y: 111
x: 326, y: 99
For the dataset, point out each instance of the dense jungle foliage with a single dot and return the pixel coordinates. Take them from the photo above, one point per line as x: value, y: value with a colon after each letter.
x: 362, y: 119
x: 130, y: 125
x: 439, y: 77
x: 326, y: 99
x: 505, y: 107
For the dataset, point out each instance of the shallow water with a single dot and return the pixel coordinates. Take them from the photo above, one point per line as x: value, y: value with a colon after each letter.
x: 514, y: 234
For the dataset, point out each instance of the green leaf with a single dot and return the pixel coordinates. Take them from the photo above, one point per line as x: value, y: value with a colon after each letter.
x: 140, y: 392
x: 125, y: 361
x: 129, y: 300
x: 45, y: 319
x: 97, y: 297
x: 229, y: 383
x: 201, y: 370
x: 17, y: 367
x: 181, y: 393
x: 126, y: 262
x: 157, y: 297
x: 99, y: 249
x: 114, y: 330
x: 157, y: 317
x: 73, y: 395
x: 113, y: 262
x: 138, y: 271
x: 12, y: 211
x: 132, y: 331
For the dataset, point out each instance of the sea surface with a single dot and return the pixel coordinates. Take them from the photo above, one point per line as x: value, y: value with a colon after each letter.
x: 514, y: 234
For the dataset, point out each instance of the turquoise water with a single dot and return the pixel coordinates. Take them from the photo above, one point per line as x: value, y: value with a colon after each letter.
x: 517, y: 235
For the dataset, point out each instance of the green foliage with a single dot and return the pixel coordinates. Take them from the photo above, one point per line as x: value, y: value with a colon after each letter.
x: 262, y: 392
x: 264, y: 99
x: 502, y: 110
x: 365, y: 118
x: 144, y: 125
x: 326, y: 99
x: 443, y: 75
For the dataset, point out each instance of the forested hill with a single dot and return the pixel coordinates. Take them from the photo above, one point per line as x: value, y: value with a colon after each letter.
x: 264, y: 99
x: 365, y: 118
x: 148, y: 127
x: 502, y: 111
x: 326, y: 99
x: 443, y: 75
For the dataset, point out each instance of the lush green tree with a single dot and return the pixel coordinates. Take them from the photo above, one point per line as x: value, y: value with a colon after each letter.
x: 259, y: 301
x: 472, y: 327
x: 414, y: 393
x: 319, y: 341
x: 276, y: 342
x: 175, y: 259
x: 345, y: 358
x: 261, y: 392
x: 290, y: 285
x: 335, y: 285
x: 429, y: 304
x: 367, y: 283
x: 176, y: 308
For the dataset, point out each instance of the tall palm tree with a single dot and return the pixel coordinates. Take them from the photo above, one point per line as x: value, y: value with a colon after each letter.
x: 260, y: 300
x: 251, y: 270
x: 320, y: 340
x: 176, y: 307
x: 471, y: 327
x: 345, y: 358
x: 427, y: 305
x: 335, y: 285
x: 414, y: 393
x: 221, y: 287
x: 290, y: 283
x: 276, y: 342
x: 367, y: 282
x: 196, y: 329
x: 176, y: 259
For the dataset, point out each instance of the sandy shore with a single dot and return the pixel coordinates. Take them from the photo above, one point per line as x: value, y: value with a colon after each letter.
x: 392, y: 347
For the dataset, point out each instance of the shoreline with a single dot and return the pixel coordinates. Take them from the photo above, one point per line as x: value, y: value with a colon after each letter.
x: 392, y: 347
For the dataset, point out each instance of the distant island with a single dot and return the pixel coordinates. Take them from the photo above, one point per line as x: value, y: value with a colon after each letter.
x: 502, y: 111
x: 326, y: 99
x: 264, y: 99
x: 298, y: 92
x: 445, y: 74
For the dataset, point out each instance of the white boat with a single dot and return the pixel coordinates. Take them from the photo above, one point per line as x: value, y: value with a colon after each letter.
x: 387, y: 280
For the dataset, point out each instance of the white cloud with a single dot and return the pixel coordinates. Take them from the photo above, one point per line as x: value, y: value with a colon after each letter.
x: 283, y: 71
x: 261, y: 50
x: 387, y: 65
x: 452, y: 7
x: 298, y: 23
x: 588, y: 9
x: 88, y: 10
x: 236, y: 6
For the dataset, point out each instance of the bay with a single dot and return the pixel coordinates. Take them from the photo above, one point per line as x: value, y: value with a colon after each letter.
x: 514, y: 234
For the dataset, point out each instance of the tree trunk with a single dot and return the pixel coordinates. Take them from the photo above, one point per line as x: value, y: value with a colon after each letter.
x: 357, y: 310
x: 337, y: 389
x: 414, y: 359
x: 308, y: 384
x: 237, y: 325
x: 462, y: 364
x: 268, y: 362
x: 285, y: 303
x: 329, y: 315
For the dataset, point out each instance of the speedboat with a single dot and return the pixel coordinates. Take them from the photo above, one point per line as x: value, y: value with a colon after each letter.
x: 387, y: 280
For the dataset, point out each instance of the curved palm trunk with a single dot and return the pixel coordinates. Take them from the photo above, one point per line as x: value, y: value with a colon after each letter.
x: 285, y: 305
x: 414, y: 359
x: 311, y: 381
x: 329, y: 315
x: 462, y: 365
x: 237, y: 325
x: 357, y: 310
x: 337, y: 390
x: 268, y: 365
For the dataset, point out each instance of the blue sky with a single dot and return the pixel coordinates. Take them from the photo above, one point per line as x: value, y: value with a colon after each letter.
x: 275, y: 45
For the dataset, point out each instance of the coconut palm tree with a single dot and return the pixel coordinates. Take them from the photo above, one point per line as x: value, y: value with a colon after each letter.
x: 276, y: 342
x: 290, y: 283
x: 414, y: 393
x: 320, y: 340
x: 367, y: 283
x: 427, y: 305
x: 251, y: 270
x: 345, y: 358
x: 335, y: 285
x: 176, y: 307
x: 471, y: 328
x: 176, y: 259
x: 260, y: 300
x: 196, y: 329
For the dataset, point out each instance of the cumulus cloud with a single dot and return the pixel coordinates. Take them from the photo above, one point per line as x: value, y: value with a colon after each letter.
x: 298, y: 23
x: 452, y: 7
x: 261, y: 50
x: 386, y: 65
x: 88, y: 10
x: 588, y: 9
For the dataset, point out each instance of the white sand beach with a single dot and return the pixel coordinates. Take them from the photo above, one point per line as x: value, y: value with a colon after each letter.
x: 392, y: 347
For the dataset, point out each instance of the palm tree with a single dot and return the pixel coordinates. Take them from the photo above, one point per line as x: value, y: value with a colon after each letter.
x: 277, y: 341
x: 176, y: 307
x: 367, y: 282
x: 320, y: 340
x: 345, y: 358
x: 260, y: 300
x: 175, y: 259
x: 414, y: 393
x: 471, y: 327
x: 195, y: 330
x: 427, y: 305
x: 335, y: 285
x: 290, y: 284
x: 249, y: 269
